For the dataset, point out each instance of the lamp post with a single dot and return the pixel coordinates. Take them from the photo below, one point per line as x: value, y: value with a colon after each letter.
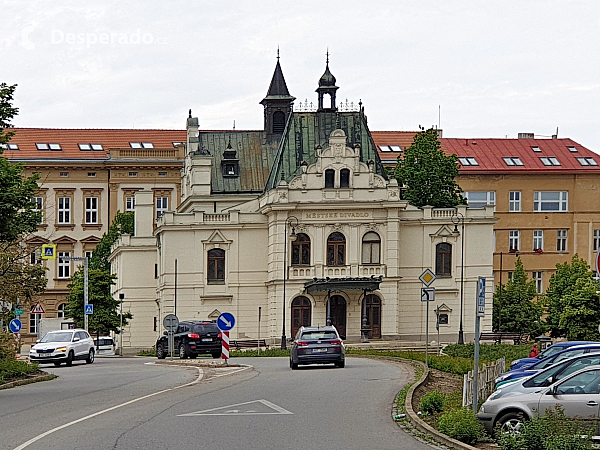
x: 85, y: 284
x: 457, y: 218
x: 293, y: 222
x: 121, y: 297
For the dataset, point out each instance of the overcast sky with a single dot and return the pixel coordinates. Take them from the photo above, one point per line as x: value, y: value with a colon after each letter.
x: 497, y: 68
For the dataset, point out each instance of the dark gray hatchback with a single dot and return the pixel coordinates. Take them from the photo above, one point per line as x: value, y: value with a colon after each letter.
x: 317, y: 345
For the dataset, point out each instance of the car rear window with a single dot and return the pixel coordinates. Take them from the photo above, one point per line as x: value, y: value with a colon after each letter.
x: 314, y: 335
x: 205, y: 328
x: 103, y: 342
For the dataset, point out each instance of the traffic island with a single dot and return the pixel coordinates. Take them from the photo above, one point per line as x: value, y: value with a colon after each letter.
x: 28, y: 379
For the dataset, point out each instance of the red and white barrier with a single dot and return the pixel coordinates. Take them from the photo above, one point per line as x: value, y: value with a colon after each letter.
x: 225, y: 346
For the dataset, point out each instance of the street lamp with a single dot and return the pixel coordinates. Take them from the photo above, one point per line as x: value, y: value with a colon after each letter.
x: 456, y: 218
x: 293, y: 222
x: 85, y: 284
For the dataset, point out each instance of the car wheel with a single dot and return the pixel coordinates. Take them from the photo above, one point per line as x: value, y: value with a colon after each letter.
x: 510, y: 423
x: 182, y: 354
x: 90, y: 358
x: 192, y: 355
x: 341, y: 364
x: 57, y: 363
x: 160, y: 351
x: 70, y: 358
x: 216, y: 355
x: 293, y: 365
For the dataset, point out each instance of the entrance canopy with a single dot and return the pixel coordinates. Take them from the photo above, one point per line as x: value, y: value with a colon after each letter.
x: 343, y: 284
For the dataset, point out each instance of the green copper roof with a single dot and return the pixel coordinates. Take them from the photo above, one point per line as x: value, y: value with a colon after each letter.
x: 304, y: 131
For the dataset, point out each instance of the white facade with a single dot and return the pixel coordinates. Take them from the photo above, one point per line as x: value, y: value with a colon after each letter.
x: 252, y: 233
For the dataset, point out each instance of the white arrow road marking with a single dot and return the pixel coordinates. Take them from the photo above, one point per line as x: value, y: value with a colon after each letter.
x: 227, y: 411
x: 227, y: 323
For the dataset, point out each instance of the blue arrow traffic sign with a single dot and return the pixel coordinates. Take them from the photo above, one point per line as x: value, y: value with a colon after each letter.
x: 226, y: 321
x: 89, y: 309
x: 15, y: 325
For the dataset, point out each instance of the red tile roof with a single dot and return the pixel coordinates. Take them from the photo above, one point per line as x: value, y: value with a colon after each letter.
x: 488, y: 153
x: 26, y: 138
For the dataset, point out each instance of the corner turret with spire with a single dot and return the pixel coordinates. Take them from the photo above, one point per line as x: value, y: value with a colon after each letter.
x: 278, y: 105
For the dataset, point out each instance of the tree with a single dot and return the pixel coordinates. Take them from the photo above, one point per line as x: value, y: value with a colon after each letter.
x: 515, y: 309
x: 571, y: 301
x: 20, y: 282
x: 106, y: 315
x: 428, y: 174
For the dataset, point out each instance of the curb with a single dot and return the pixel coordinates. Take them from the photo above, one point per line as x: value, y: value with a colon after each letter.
x: 421, y: 425
x: 36, y: 378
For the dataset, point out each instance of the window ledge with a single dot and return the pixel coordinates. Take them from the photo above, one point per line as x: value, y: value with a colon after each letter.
x: 42, y: 226
x: 215, y: 282
x: 91, y: 226
x: 64, y: 226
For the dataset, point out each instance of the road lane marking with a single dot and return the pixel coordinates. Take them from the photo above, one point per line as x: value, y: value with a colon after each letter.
x: 54, y: 430
x: 234, y: 410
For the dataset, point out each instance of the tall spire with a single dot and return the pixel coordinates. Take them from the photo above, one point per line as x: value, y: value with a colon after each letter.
x: 278, y: 104
x: 278, y: 89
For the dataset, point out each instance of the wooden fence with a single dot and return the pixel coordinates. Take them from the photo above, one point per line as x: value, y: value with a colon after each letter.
x: 485, y: 383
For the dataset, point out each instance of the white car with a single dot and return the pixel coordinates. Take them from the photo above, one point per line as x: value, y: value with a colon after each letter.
x: 105, y: 346
x: 63, y: 346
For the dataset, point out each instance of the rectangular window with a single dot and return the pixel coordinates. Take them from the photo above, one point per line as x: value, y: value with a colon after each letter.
x: 561, y: 240
x: 587, y: 161
x: 596, y: 240
x: 538, y: 240
x: 548, y: 201
x: 549, y: 161
x: 513, y: 241
x: 479, y: 199
x: 162, y: 174
x: 155, y: 271
x: 64, y: 267
x: 135, y: 144
x: 129, y: 204
x: 64, y: 174
x: 88, y: 255
x: 64, y: 210
x: 92, y: 174
x: 91, y: 210
x: 535, y: 148
x: 35, y: 257
x: 39, y: 206
x: 468, y: 161
x: 34, y: 322
x: 572, y: 149
x: 162, y: 205
x: 513, y: 161
x: 133, y: 174
x: 514, y: 201
x: 510, y: 276
x: 539, y: 285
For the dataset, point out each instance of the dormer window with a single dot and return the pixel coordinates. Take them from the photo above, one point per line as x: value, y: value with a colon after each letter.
x: 535, y: 148
x: 468, y: 161
x: 231, y: 169
x: 513, y: 161
x: 550, y: 161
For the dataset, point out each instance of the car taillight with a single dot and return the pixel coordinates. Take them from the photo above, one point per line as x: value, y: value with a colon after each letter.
x: 302, y: 343
x: 220, y: 335
x: 194, y: 336
x: 336, y: 341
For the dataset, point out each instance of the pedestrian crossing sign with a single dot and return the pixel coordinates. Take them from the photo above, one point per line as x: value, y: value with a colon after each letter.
x: 48, y: 251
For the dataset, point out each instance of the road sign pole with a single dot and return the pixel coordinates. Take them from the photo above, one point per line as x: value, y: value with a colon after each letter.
x: 479, y: 312
x: 427, y: 336
x: 85, y: 291
x: 258, y: 342
x: 225, y: 346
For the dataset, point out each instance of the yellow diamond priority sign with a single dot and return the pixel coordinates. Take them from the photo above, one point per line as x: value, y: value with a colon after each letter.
x: 427, y: 277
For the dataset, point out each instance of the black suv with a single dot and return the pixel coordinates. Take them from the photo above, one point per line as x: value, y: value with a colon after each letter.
x: 191, y: 339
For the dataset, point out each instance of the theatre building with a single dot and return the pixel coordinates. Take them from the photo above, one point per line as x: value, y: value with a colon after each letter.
x: 296, y: 225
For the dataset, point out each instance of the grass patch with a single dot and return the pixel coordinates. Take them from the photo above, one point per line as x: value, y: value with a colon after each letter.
x: 271, y: 352
x: 147, y: 352
x: 11, y: 369
x: 489, y: 352
x: 401, y: 398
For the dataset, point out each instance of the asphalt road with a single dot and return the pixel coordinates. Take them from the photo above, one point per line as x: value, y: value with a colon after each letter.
x: 129, y: 404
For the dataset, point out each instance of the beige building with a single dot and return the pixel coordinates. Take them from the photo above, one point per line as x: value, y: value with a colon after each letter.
x: 299, y: 225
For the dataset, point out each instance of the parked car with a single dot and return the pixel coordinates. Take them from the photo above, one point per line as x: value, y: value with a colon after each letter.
x: 546, y: 362
x: 191, y: 339
x: 317, y: 345
x: 105, y: 345
x: 547, y: 376
x: 558, y: 347
x: 578, y: 395
x: 63, y: 346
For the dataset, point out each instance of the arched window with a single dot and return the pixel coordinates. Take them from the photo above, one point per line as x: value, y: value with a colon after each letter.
x: 301, y: 250
x: 61, y: 311
x: 278, y: 122
x: 443, y: 259
x: 216, y: 266
x: 371, y: 246
x: 329, y: 177
x: 336, y: 249
x: 345, y: 178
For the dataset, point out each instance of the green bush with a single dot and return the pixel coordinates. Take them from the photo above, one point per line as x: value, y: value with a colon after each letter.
x: 13, y: 368
x: 432, y: 402
x: 147, y: 352
x: 551, y: 432
x: 7, y: 345
x: 461, y: 424
x: 267, y: 353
